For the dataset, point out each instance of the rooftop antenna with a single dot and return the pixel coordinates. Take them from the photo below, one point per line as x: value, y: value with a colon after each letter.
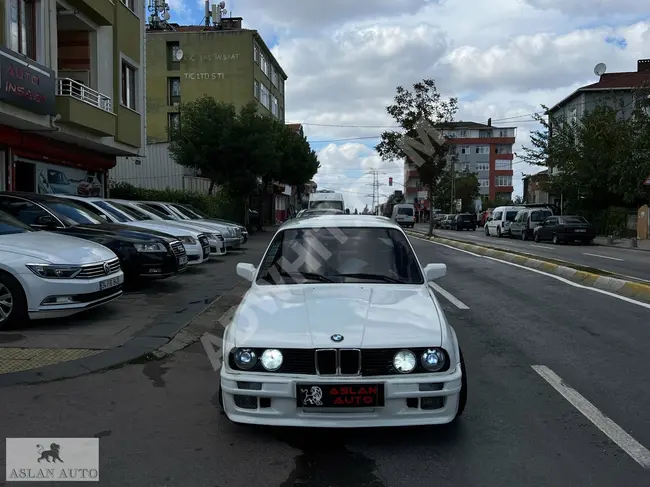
x: 600, y: 69
x: 206, y: 13
x: 158, y: 14
x: 218, y: 11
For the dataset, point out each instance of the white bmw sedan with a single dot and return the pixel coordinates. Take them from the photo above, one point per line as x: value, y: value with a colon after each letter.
x: 341, y: 329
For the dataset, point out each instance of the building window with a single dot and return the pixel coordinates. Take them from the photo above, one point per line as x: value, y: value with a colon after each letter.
x: 265, y: 99
x: 174, y: 91
x: 264, y: 64
x: 482, y: 149
x: 503, y: 181
x: 484, y: 183
x: 484, y: 134
x: 256, y: 89
x: 256, y: 53
x: 503, y: 149
x: 281, y: 114
x: 281, y: 84
x: 503, y: 133
x: 23, y: 27
x: 274, y: 77
x: 130, y: 4
x: 465, y: 149
x: 462, y: 133
x: 173, y: 63
x: 466, y: 166
x: 503, y: 165
x: 173, y: 124
x: 483, y: 166
x: 274, y: 106
x: 128, y: 86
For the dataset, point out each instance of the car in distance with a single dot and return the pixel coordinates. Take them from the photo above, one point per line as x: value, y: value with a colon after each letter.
x: 142, y: 253
x: 46, y: 275
x: 193, y: 212
x: 314, y: 341
x: 196, y: 244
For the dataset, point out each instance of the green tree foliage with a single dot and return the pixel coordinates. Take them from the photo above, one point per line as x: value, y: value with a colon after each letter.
x: 239, y: 151
x: 600, y: 160
x: 415, y: 112
x: 467, y: 189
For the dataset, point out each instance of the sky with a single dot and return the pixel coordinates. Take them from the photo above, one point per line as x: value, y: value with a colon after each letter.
x: 502, y: 59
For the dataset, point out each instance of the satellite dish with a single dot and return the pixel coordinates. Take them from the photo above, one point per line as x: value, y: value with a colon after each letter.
x: 224, y: 11
x: 600, y: 69
x: 166, y: 16
x: 161, y: 8
x: 178, y: 55
x: 222, y: 4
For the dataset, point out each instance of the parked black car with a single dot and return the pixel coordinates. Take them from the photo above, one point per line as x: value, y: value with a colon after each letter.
x: 463, y: 221
x: 142, y: 252
x: 561, y: 229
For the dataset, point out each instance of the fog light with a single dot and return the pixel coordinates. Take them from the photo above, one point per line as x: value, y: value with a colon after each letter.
x: 432, y: 402
x: 54, y: 300
x: 246, y: 402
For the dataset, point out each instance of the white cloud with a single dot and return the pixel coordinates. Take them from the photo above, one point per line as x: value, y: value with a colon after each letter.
x: 503, y: 58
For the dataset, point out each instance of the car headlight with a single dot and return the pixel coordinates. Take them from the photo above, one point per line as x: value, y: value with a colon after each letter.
x: 404, y: 361
x: 245, y: 358
x: 433, y: 359
x: 53, y: 271
x: 187, y: 240
x: 272, y: 359
x: 211, y: 236
x: 150, y: 247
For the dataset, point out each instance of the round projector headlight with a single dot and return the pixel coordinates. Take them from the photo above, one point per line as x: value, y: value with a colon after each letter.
x: 404, y: 361
x: 272, y: 359
x: 245, y: 358
x: 433, y: 360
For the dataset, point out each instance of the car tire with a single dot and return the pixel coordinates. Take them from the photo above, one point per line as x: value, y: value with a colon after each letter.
x: 462, y: 399
x: 487, y: 231
x: 524, y: 237
x: 556, y: 239
x: 17, y: 313
x: 499, y: 235
x: 473, y: 229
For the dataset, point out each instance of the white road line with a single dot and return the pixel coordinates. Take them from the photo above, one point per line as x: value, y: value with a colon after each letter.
x: 602, y: 256
x: 450, y: 297
x: 543, y: 247
x: 629, y: 445
x: 537, y: 271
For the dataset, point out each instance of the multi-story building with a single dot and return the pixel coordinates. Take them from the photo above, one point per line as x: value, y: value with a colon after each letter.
x: 71, y: 94
x: 479, y: 148
x: 224, y: 61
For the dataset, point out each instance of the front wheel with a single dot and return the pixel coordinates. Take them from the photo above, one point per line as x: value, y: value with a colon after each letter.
x: 523, y: 235
x: 462, y: 400
x: 536, y: 237
x: 556, y: 240
x: 13, y: 303
x: 499, y: 232
x: 487, y: 231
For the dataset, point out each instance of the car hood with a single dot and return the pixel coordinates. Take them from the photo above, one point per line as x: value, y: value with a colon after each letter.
x: 163, y: 227
x: 117, y: 231
x: 192, y: 227
x: 368, y: 316
x: 55, y: 248
x: 225, y: 230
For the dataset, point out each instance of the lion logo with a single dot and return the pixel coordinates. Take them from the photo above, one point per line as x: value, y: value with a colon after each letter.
x: 312, y: 396
x: 52, y: 453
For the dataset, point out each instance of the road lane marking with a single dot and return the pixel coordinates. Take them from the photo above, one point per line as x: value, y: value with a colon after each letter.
x: 603, y: 256
x: 618, y: 435
x: 450, y: 297
x: 537, y: 271
x: 543, y: 247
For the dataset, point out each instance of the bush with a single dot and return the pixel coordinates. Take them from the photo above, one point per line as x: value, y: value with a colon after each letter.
x: 216, y: 206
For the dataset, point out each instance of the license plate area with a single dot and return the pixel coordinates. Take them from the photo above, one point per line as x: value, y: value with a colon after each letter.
x: 182, y: 260
x: 340, y: 396
x: 109, y: 283
x: 581, y: 230
x: 206, y: 251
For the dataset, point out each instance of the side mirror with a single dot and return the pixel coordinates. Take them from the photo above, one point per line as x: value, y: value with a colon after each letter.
x: 435, y: 271
x: 44, y: 221
x: 247, y: 271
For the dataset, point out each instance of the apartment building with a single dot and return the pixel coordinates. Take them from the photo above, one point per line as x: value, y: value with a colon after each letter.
x: 225, y: 61
x: 479, y: 148
x: 72, y: 92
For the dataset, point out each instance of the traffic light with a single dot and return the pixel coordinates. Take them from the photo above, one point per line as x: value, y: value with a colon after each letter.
x: 390, y: 181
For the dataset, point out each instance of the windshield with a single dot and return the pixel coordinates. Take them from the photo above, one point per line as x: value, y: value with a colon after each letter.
x: 321, y: 212
x: 540, y: 216
x: 154, y: 211
x: 196, y: 211
x: 89, y: 179
x: 467, y: 218
x: 406, y: 210
x: 118, y: 215
x: 323, y: 204
x: 184, y: 212
x: 71, y: 213
x: 354, y: 254
x: 511, y: 215
x: 573, y: 219
x: 56, y: 177
x: 9, y: 225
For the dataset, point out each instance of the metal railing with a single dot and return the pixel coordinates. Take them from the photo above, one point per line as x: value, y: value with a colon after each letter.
x: 79, y: 91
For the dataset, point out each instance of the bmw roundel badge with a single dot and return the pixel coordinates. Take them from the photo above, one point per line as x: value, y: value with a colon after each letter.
x: 337, y: 338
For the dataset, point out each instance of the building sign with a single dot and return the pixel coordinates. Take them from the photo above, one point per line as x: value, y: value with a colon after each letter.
x: 204, y: 76
x: 212, y: 57
x: 27, y: 85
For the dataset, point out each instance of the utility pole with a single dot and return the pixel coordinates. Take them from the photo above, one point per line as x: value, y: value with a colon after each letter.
x: 375, y: 190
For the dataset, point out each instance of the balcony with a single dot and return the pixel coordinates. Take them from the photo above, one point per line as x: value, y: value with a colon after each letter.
x: 102, y: 12
x: 84, y: 107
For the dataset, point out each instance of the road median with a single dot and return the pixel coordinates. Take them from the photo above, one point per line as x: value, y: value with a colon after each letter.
x: 596, y: 278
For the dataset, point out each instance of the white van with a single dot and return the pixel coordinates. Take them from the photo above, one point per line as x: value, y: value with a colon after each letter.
x: 325, y: 201
x: 499, y: 222
x: 404, y: 214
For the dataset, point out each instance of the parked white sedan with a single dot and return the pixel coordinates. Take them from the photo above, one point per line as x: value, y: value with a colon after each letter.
x: 47, y: 275
x: 341, y: 329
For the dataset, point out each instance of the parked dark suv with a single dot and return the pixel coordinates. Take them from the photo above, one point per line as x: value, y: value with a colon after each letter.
x: 142, y: 252
x: 463, y: 221
x: 527, y: 220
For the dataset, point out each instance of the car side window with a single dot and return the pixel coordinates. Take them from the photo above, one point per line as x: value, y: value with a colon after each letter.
x: 550, y: 221
x: 25, y: 211
x: 496, y: 216
x: 157, y: 207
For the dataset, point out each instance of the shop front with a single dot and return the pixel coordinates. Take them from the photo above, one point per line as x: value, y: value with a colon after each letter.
x: 37, y: 164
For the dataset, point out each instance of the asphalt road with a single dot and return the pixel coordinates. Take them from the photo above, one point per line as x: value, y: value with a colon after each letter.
x: 159, y: 424
x: 625, y: 262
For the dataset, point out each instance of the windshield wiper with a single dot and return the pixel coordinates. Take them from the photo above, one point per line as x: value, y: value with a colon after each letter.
x: 311, y: 276
x: 377, y: 277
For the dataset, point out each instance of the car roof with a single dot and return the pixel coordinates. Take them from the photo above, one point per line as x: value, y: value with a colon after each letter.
x: 341, y: 221
x: 31, y: 196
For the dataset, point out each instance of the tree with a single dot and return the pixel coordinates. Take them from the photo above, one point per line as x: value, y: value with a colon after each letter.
x: 467, y: 189
x: 417, y: 113
x: 366, y: 210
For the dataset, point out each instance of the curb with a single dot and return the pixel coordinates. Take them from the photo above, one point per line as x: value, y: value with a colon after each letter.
x: 628, y: 289
x: 140, y: 346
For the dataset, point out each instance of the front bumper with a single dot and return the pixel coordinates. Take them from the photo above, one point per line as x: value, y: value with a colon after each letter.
x: 194, y: 254
x: 74, y: 295
x: 153, y: 265
x: 278, y: 406
x: 232, y: 242
x: 217, y: 248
